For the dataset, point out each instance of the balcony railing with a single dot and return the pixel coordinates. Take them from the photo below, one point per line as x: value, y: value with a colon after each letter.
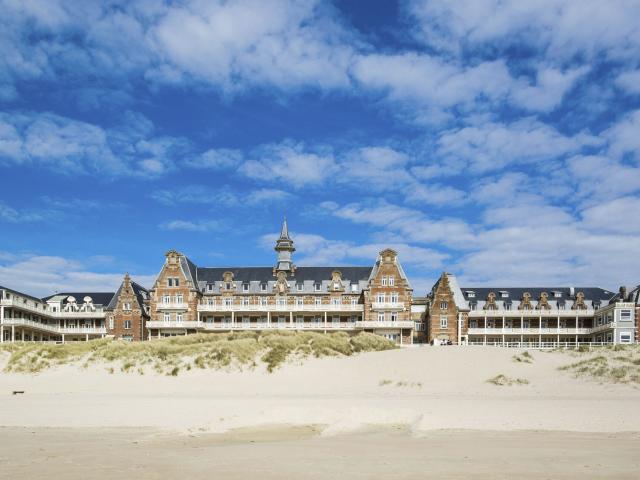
x: 170, y: 324
x: 23, y: 322
x: 97, y: 311
x: 538, y: 331
x: 530, y: 313
x: 386, y: 324
x: 172, y: 306
x: 224, y: 326
x: 387, y: 305
x: 205, y: 307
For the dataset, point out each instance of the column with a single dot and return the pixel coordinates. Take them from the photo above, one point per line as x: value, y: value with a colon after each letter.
x: 233, y: 319
x: 2, y: 324
x: 401, y: 337
x: 13, y: 333
x: 291, y: 319
x: 22, y: 335
x: 459, y: 329
x: 268, y: 319
x: 325, y: 322
x: 63, y: 338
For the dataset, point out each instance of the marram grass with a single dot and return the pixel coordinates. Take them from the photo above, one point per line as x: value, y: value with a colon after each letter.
x: 170, y: 356
x: 614, y: 364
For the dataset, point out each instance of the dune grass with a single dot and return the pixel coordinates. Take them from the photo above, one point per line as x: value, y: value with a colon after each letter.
x: 504, y: 381
x: 170, y: 356
x: 611, y: 364
x: 524, y: 357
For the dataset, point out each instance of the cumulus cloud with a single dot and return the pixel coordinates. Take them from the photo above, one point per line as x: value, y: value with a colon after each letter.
x: 42, y: 275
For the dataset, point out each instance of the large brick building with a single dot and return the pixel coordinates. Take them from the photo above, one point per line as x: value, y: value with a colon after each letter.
x: 186, y: 298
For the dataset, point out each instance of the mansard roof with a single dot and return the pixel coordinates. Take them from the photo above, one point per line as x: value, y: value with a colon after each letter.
x: 16, y: 292
x: 515, y: 293
x: 265, y: 274
x: 98, y: 298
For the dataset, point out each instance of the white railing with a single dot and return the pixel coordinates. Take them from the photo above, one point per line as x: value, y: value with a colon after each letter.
x: 45, y: 311
x: 386, y: 324
x: 205, y: 307
x: 23, y: 322
x: 539, y: 345
x: 387, y: 305
x: 185, y: 324
x: 172, y: 306
x: 537, y: 331
x: 280, y: 326
x: 530, y: 313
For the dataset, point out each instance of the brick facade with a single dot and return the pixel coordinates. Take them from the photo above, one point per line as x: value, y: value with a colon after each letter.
x: 442, y: 313
x: 127, y: 316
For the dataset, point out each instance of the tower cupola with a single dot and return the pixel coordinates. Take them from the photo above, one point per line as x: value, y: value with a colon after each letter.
x: 285, y: 248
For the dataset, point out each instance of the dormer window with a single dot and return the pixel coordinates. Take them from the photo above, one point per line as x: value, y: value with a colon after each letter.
x: 245, y: 287
x: 504, y: 294
x: 557, y: 294
x: 126, y: 306
x: 228, y: 285
x: 317, y: 287
x: 354, y: 287
x: 299, y: 287
x: 443, y: 305
x: 471, y: 294
x: 210, y: 287
x: 263, y: 287
x: 173, y: 282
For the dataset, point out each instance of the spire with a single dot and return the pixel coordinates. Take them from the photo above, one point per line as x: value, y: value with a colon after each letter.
x: 284, y: 247
x: 284, y: 231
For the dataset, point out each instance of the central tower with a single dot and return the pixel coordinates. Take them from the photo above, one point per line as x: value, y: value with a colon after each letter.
x: 285, y: 248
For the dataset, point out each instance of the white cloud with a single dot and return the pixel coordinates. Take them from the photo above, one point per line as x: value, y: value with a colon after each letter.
x: 623, y: 136
x: 191, y: 225
x: 216, y: 159
x: 290, y: 163
x: 629, y: 81
x: 616, y: 216
x: 551, y: 86
x: 492, y: 146
x: 70, y: 146
x: 11, y: 215
x: 44, y: 275
x: 561, y: 30
x: 214, y: 197
x: 599, y: 177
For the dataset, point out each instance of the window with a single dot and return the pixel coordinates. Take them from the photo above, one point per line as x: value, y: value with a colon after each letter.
x: 354, y: 302
x: 507, y: 306
x: 167, y: 317
x: 625, y: 315
x: 443, y: 305
x: 300, y: 287
x: 281, y: 320
x: 178, y: 317
x: 209, y: 287
x: 335, y: 301
x: 625, y: 337
x: 263, y: 301
x: 354, y: 287
x: 504, y: 294
x: 127, y: 324
x: 173, y: 282
x: 317, y: 287
x: 228, y: 301
x: 394, y: 316
x: 317, y: 301
x: 299, y: 301
x: 299, y: 319
x: 228, y: 285
x: 394, y: 298
x: 245, y: 321
x: 263, y: 287
x: 245, y: 287
x: 473, y: 324
x: 110, y: 323
x: 179, y: 298
x: 444, y: 321
x: 557, y: 294
x: 385, y: 281
x: 335, y: 320
x: 166, y: 299
x: 211, y: 301
x: 392, y: 280
x: 380, y: 298
x: 419, y: 326
x: 282, y: 301
x: 126, y: 306
x: 245, y: 301
x: 381, y: 317
x: 471, y: 294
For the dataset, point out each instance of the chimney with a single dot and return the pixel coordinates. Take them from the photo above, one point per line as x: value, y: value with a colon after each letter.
x: 623, y: 293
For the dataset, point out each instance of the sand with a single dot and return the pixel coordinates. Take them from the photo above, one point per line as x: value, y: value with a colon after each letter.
x: 395, y: 414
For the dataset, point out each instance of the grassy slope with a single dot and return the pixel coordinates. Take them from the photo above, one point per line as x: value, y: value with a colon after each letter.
x: 171, y: 355
x: 613, y: 364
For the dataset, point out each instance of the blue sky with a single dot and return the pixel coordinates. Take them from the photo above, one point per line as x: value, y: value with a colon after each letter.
x: 499, y: 140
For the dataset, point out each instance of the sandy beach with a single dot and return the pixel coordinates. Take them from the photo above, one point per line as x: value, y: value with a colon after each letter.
x: 394, y: 414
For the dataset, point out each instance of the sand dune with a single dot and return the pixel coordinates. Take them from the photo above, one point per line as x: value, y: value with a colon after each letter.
x: 409, y: 397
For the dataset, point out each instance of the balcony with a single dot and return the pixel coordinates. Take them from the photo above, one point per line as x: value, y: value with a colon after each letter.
x: 80, y: 330
x: 531, y: 313
x: 172, y: 306
x: 45, y: 311
x: 387, y: 305
x: 99, y: 312
x: 540, y: 331
x: 180, y: 325
x: 386, y: 324
x: 205, y: 307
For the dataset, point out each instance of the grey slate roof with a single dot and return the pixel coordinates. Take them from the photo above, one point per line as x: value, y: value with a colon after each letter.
x: 265, y: 274
x: 594, y: 297
x: 140, y: 292
x: 99, y: 298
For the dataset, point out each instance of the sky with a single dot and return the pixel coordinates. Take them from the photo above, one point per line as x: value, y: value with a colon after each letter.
x: 498, y: 140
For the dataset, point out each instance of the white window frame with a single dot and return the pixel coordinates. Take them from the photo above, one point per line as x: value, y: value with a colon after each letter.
x: 392, y: 280
x: 317, y: 301
x: 444, y: 321
x: 385, y: 281
x: 625, y: 315
x: 626, y: 337
x: 126, y: 306
x: 111, y: 323
x: 354, y: 288
x: 300, y: 287
x: 394, y: 316
x: 444, y: 305
x: 178, y: 317
x: 245, y: 287
x: 127, y: 324
x: 167, y: 317
x: 381, y: 298
x: 381, y: 316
